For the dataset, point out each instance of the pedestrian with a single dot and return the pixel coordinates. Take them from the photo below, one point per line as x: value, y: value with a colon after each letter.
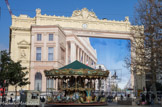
x: 10, y: 99
x: 43, y: 101
x: 121, y: 97
x: 148, y: 98
x: 152, y: 98
x: 143, y: 99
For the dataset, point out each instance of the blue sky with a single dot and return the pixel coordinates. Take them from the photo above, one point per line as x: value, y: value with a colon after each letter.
x: 110, y: 52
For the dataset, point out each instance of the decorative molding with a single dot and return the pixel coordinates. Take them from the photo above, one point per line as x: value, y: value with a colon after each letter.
x: 23, y: 42
x: 84, y: 14
x: 19, y: 28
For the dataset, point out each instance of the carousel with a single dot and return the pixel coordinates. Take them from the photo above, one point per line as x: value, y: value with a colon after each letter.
x: 76, y: 85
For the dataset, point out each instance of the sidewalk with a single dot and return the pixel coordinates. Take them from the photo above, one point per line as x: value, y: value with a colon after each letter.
x: 114, y: 104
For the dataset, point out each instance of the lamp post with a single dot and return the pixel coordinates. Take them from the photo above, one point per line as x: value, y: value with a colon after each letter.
x: 115, y: 77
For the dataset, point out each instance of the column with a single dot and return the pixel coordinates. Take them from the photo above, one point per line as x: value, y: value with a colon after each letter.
x: 62, y: 83
x: 57, y: 49
x: 54, y: 83
x: 94, y: 83
x: 84, y: 82
x: 67, y: 53
x: 90, y: 82
x: 78, y: 58
x: 73, y: 51
x: 83, y: 57
x: 75, y: 82
x: 57, y: 84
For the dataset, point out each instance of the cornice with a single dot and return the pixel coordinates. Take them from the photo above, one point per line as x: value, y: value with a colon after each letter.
x: 97, y: 31
x: 19, y: 28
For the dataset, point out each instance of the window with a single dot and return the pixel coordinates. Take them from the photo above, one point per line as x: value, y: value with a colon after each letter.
x: 38, y: 81
x: 38, y: 54
x: 34, y: 95
x: 39, y: 37
x: 50, y: 53
x: 50, y: 37
x: 100, y: 67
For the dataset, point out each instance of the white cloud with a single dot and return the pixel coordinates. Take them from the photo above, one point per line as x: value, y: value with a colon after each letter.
x: 112, y: 54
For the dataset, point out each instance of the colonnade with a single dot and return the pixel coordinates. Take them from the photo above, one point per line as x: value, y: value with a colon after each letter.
x: 74, y: 52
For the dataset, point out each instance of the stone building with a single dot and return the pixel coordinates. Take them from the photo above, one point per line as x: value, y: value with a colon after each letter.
x: 47, y: 42
x: 105, y: 84
x: 41, y: 46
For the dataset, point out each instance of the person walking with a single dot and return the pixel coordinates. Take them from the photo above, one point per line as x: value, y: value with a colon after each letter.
x: 148, y: 98
x: 121, y: 97
x: 143, y: 99
x: 43, y: 101
x: 11, y: 100
x: 152, y: 98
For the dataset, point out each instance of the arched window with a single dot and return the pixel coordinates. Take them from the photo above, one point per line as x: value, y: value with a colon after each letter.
x: 38, y: 81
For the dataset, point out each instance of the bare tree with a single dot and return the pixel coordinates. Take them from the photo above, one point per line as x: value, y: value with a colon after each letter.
x: 147, y: 41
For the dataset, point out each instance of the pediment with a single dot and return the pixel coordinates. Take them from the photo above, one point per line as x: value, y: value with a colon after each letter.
x: 23, y: 42
x: 84, y: 14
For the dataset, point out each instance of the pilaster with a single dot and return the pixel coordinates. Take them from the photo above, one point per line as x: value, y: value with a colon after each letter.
x: 73, y: 51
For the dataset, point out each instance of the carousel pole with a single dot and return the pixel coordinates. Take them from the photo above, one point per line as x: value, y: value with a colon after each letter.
x: 58, y: 83
x: 84, y: 82
x: 90, y: 82
x: 94, y: 83
x: 75, y: 82
x: 62, y: 83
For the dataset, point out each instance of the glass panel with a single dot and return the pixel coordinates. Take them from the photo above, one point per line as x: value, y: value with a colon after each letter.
x: 38, y: 54
x: 50, y: 37
x: 39, y: 37
x: 38, y: 81
x: 50, y: 84
x: 50, y: 53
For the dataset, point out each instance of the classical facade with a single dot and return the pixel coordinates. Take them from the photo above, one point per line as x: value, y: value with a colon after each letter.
x: 31, y: 41
x: 42, y: 47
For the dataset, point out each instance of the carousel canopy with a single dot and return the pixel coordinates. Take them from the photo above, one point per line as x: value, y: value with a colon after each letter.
x: 76, y: 68
x: 76, y: 65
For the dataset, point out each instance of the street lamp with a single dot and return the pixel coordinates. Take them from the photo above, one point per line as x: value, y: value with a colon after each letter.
x: 115, y: 77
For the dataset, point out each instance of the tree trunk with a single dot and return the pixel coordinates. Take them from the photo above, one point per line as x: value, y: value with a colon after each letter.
x: 154, y: 87
x: 15, y: 93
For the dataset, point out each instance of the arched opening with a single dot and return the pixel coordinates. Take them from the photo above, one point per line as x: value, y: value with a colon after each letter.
x: 38, y: 81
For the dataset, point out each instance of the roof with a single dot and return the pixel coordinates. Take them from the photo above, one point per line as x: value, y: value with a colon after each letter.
x: 76, y: 65
x: 76, y: 68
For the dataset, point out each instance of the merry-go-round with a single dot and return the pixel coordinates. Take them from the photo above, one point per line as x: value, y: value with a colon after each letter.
x: 76, y: 85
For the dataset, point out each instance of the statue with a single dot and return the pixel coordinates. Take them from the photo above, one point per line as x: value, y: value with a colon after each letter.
x: 38, y: 12
x: 126, y: 19
x: 84, y: 14
x: 23, y: 55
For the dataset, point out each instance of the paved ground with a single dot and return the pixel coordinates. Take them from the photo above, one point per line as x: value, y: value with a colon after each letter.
x: 109, y: 105
x: 91, y: 106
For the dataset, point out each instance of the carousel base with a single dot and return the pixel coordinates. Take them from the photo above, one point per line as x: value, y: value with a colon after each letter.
x: 78, y: 104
